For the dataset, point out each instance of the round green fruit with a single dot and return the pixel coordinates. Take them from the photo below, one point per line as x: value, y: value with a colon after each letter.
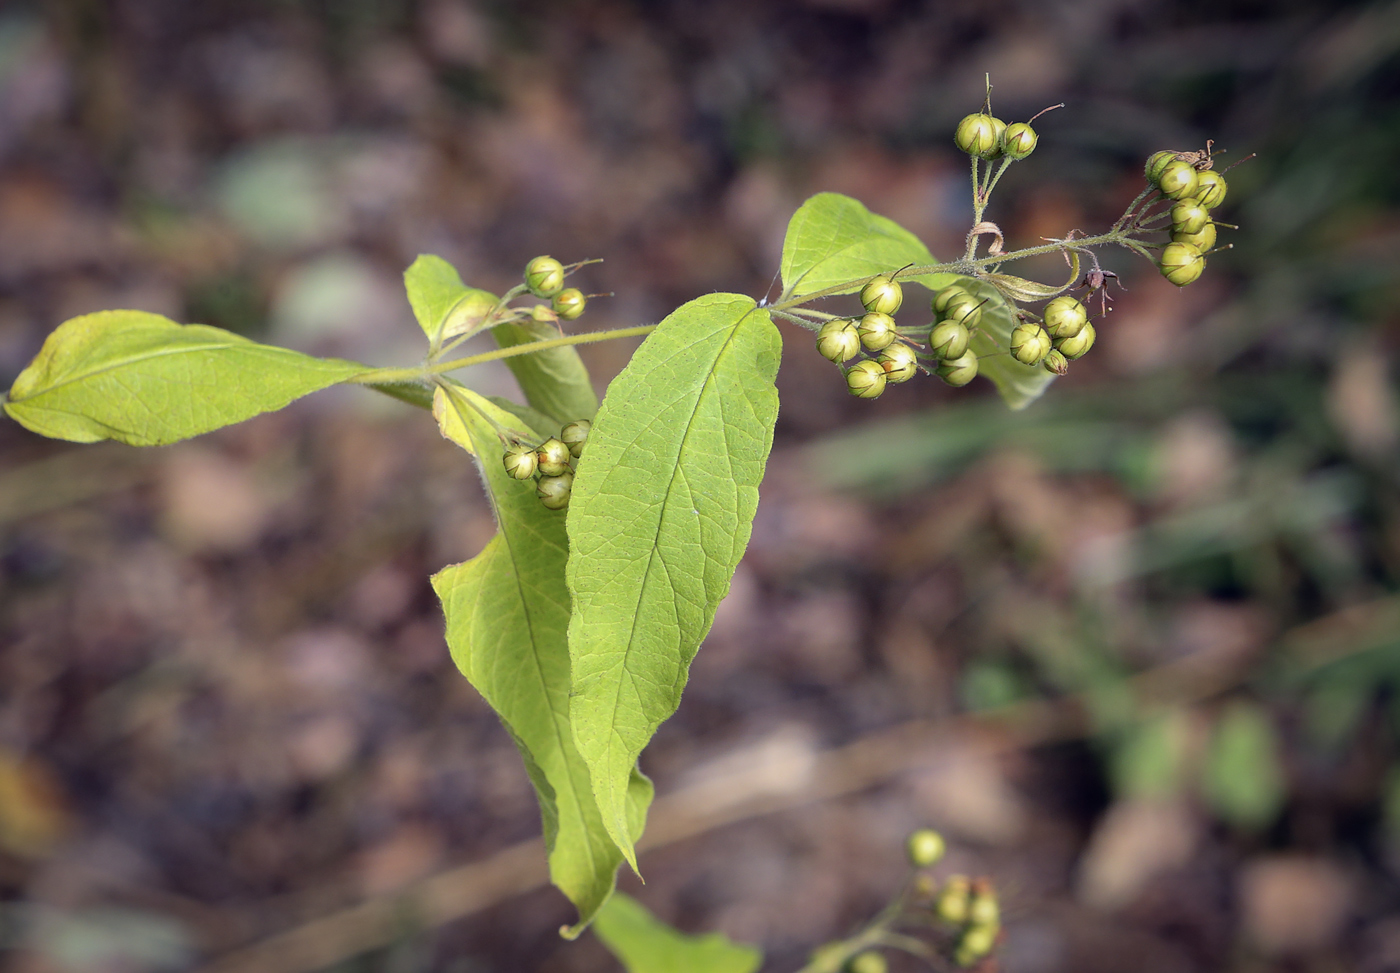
x: 1077, y: 346
x: 882, y: 294
x: 1029, y: 343
x: 1202, y: 240
x: 574, y: 435
x: 925, y: 847
x: 868, y: 962
x: 947, y: 295
x: 980, y: 135
x: 948, y: 340
x: 1178, y: 180
x: 1055, y: 362
x: 958, y: 371
x: 553, y: 457
x: 1210, y: 188
x: 544, y: 276
x: 899, y: 362
x: 965, y: 311
x: 1018, y: 141
x: 569, y: 303
x: 1189, y: 216
x: 838, y: 340
x: 1156, y: 162
x: 866, y: 379
x: 554, y: 491
x: 1065, y: 317
x: 521, y: 462
x: 1181, y: 263
x: 876, y: 330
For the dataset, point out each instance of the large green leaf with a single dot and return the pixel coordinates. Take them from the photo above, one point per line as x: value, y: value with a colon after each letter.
x: 443, y: 305
x: 554, y: 381
x: 644, y: 944
x: 662, y: 510
x: 507, y: 620
x: 145, y: 380
x: 1019, y: 385
x: 832, y: 239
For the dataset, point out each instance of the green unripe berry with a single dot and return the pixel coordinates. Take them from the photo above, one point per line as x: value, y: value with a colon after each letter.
x: 876, y: 330
x: 554, y: 491
x: 868, y: 962
x: 1202, y: 240
x: 982, y: 908
x: 947, y: 295
x: 948, y: 340
x: 569, y: 303
x: 866, y: 379
x: 838, y: 340
x: 958, y: 372
x: 1181, y: 263
x: 1210, y: 188
x: 977, y: 941
x: 521, y: 462
x: 544, y: 276
x: 980, y: 135
x: 925, y: 847
x: 899, y: 362
x: 1018, y: 141
x: 951, y: 904
x: 574, y: 435
x: 966, y: 311
x: 882, y: 294
x: 1156, y: 162
x: 1189, y: 216
x: 1178, y: 180
x: 1029, y: 343
x: 1065, y: 317
x: 1055, y: 362
x: 553, y: 456
x: 1077, y: 346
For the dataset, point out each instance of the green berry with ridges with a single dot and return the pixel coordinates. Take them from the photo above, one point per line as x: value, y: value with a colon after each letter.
x: 554, y: 491
x: 1202, y: 240
x: 877, y: 331
x: 1055, y: 362
x: 982, y: 907
x: 569, y: 303
x: 866, y: 379
x: 958, y: 372
x: 947, y: 295
x: 1065, y: 317
x: 966, y: 311
x: 977, y: 941
x: 544, y: 276
x: 1181, y: 263
x: 554, y: 457
x: 980, y: 135
x: 951, y: 904
x: 1079, y: 345
x: 1189, y: 216
x: 1029, y: 343
x: 1210, y: 188
x: 838, y: 340
x: 925, y: 847
x: 948, y: 340
x: 521, y: 461
x: 1178, y: 180
x: 1018, y: 141
x: 882, y: 294
x: 1156, y: 162
x: 868, y: 962
x: 574, y: 435
x: 899, y: 362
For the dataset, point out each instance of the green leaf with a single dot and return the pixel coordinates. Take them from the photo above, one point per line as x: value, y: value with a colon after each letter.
x: 832, y: 239
x: 554, y: 381
x: 443, y: 305
x: 644, y: 944
x: 507, y: 620
x: 145, y: 380
x: 662, y: 509
x: 1242, y: 778
x: 1019, y: 385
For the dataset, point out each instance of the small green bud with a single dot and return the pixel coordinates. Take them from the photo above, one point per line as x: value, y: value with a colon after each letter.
x: 838, y: 340
x: 544, y: 276
x: 1055, y: 362
x: 1018, y: 141
x: 982, y: 908
x: 554, y: 491
x: 866, y: 379
x: 959, y: 371
x: 1189, y: 216
x: 876, y: 330
x: 947, y: 295
x: 553, y: 456
x: 952, y: 903
x: 574, y: 435
x: 966, y: 311
x: 1210, y: 188
x: 977, y: 941
x: 925, y: 847
x: 1156, y: 162
x: 544, y: 315
x: 1065, y: 317
x: 948, y: 340
x: 1077, y: 346
x: 1202, y: 240
x: 1029, y: 343
x: 899, y: 362
x: 868, y: 962
x: 882, y: 294
x: 1178, y: 180
x: 521, y: 462
x: 569, y: 303
x: 1181, y: 263
x: 980, y: 135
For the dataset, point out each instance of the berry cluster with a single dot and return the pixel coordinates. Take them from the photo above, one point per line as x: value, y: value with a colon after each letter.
x: 987, y: 137
x: 1196, y: 188
x: 969, y: 906
x: 893, y: 358
x: 544, y: 277
x: 551, y: 463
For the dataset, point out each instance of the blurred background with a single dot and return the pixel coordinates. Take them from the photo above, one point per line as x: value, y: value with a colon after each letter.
x: 1136, y: 649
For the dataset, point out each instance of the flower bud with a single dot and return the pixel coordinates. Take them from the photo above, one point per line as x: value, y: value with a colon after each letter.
x: 899, y: 362
x: 574, y: 435
x: 978, y: 135
x: 951, y: 904
x: 1029, y: 343
x: 982, y: 908
x: 1189, y: 216
x: 544, y: 276
x: 1077, y: 346
x: 882, y: 294
x: 1202, y: 240
x: 925, y: 847
x: 1055, y: 362
x: 1181, y: 263
x: 977, y: 941
x: 1178, y: 180
x: 1210, y: 188
x: 876, y: 330
x: 1065, y: 317
x: 838, y: 340
x: 521, y: 462
x: 554, y: 491
x: 966, y: 311
x: 553, y: 456
x: 1156, y: 162
x: 957, y: 372
x: 544, y: 315
x: 1018, y: 141
x: 947, y: 295
x: 948, y: 340
x: 866, y: 379
x: 569, y: 303
x: 868, y: 962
